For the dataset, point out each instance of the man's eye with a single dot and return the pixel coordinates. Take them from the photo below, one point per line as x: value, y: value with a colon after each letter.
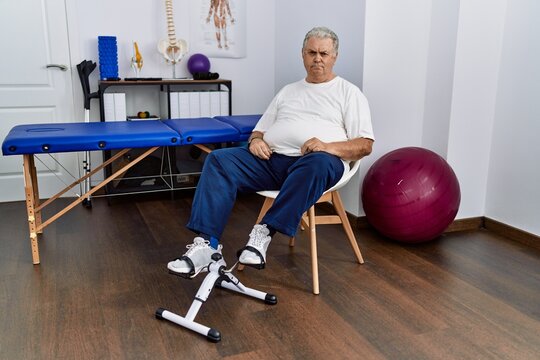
x: 315, y: 53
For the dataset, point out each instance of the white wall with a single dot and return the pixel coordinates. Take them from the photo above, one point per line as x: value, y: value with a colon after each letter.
x: 397, y: 39
x: 346, y: 19
x: 481, y: 25
x: 295, y: 18
x: 440, y: 75
x: 145, y: 22
x: 513, y: 191
x: 462, y: 78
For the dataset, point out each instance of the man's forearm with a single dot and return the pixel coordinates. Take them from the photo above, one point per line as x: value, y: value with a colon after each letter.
x: 354, y: 149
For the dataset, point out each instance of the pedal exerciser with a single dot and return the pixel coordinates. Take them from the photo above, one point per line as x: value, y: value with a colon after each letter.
x: 218, y: 276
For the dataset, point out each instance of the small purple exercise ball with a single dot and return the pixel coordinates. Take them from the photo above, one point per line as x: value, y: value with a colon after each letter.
x: 198, y: 63
x: 411, y: 195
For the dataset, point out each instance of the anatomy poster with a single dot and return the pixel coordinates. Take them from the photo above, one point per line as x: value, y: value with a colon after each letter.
x: 218, y: 28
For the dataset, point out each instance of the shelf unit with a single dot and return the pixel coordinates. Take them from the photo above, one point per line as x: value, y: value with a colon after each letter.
x: 175, y: 168
x: 165, y: 85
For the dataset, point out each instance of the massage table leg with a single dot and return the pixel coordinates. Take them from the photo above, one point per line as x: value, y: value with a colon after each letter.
x: 32, y: 201
x: 87, y: 168
x: 37, y: 212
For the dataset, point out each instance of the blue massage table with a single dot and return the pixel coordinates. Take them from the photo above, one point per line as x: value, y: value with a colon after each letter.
x: 29, y: 140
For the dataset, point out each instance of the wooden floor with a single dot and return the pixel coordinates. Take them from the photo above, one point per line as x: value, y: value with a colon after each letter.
x: 103, y: 274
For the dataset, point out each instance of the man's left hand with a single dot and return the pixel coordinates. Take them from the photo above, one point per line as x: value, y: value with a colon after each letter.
x: 354, y: 149
x: 314, y: 145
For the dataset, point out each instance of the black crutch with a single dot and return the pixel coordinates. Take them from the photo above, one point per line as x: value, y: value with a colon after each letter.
x: 84, y: 69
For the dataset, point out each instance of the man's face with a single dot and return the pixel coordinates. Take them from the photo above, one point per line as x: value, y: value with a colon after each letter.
x: 319, y: 59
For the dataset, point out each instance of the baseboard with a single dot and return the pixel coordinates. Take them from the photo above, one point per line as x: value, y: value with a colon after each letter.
x: 476, y: 223
x: 467, y: 224
x: 361, y: 222
x: 511, y: 232
x: 472, y: 224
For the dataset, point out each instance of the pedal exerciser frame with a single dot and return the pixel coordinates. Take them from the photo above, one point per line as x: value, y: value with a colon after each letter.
x: 218, y: 276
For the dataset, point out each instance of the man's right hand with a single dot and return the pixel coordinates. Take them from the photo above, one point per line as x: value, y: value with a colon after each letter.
x: 260, y: 148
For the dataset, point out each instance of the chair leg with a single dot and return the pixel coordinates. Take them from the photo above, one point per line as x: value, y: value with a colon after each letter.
x: 313, y: 241
x: 338, y: 205
x: 266, y: 205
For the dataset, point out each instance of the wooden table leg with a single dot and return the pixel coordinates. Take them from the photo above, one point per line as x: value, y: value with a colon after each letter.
x: 31, y: 195
x: 37, y: 211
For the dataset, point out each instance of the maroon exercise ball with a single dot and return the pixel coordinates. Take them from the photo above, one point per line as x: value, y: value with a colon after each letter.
x: 411, y: 195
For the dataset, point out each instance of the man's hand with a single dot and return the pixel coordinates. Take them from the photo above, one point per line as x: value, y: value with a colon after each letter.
x: 314, y: 145
x: 354, y: 149
x: 260, y: 148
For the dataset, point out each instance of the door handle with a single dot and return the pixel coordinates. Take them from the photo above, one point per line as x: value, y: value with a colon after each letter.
x: 59, y: 66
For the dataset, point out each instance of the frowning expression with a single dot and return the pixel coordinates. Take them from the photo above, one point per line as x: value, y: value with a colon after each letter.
x: 319, y: 59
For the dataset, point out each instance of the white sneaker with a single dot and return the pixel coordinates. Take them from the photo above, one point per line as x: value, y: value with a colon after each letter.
x: 254, y: 254
x: 196, y: 258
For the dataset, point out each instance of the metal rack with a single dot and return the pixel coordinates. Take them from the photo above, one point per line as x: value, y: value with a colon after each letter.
x: 173, y: 173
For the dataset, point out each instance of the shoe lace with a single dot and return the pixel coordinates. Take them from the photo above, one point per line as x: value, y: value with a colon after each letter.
x: 258, y: 235
x: 198, y: 243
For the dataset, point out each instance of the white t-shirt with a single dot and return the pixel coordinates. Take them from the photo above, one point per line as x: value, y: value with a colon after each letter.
x: 332, y: 111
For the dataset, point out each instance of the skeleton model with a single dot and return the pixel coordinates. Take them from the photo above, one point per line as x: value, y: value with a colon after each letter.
x: 172, y: 49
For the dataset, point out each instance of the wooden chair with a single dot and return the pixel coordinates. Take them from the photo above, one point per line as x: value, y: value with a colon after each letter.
x: 310, y: 220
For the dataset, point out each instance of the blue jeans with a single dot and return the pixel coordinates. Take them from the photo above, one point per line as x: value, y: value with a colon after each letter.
x: 301, y: 181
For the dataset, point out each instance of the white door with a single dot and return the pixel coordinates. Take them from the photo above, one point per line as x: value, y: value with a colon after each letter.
x: 33, y: 34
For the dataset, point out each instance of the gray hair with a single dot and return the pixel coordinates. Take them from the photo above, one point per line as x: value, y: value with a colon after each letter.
x: 322, y: 32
